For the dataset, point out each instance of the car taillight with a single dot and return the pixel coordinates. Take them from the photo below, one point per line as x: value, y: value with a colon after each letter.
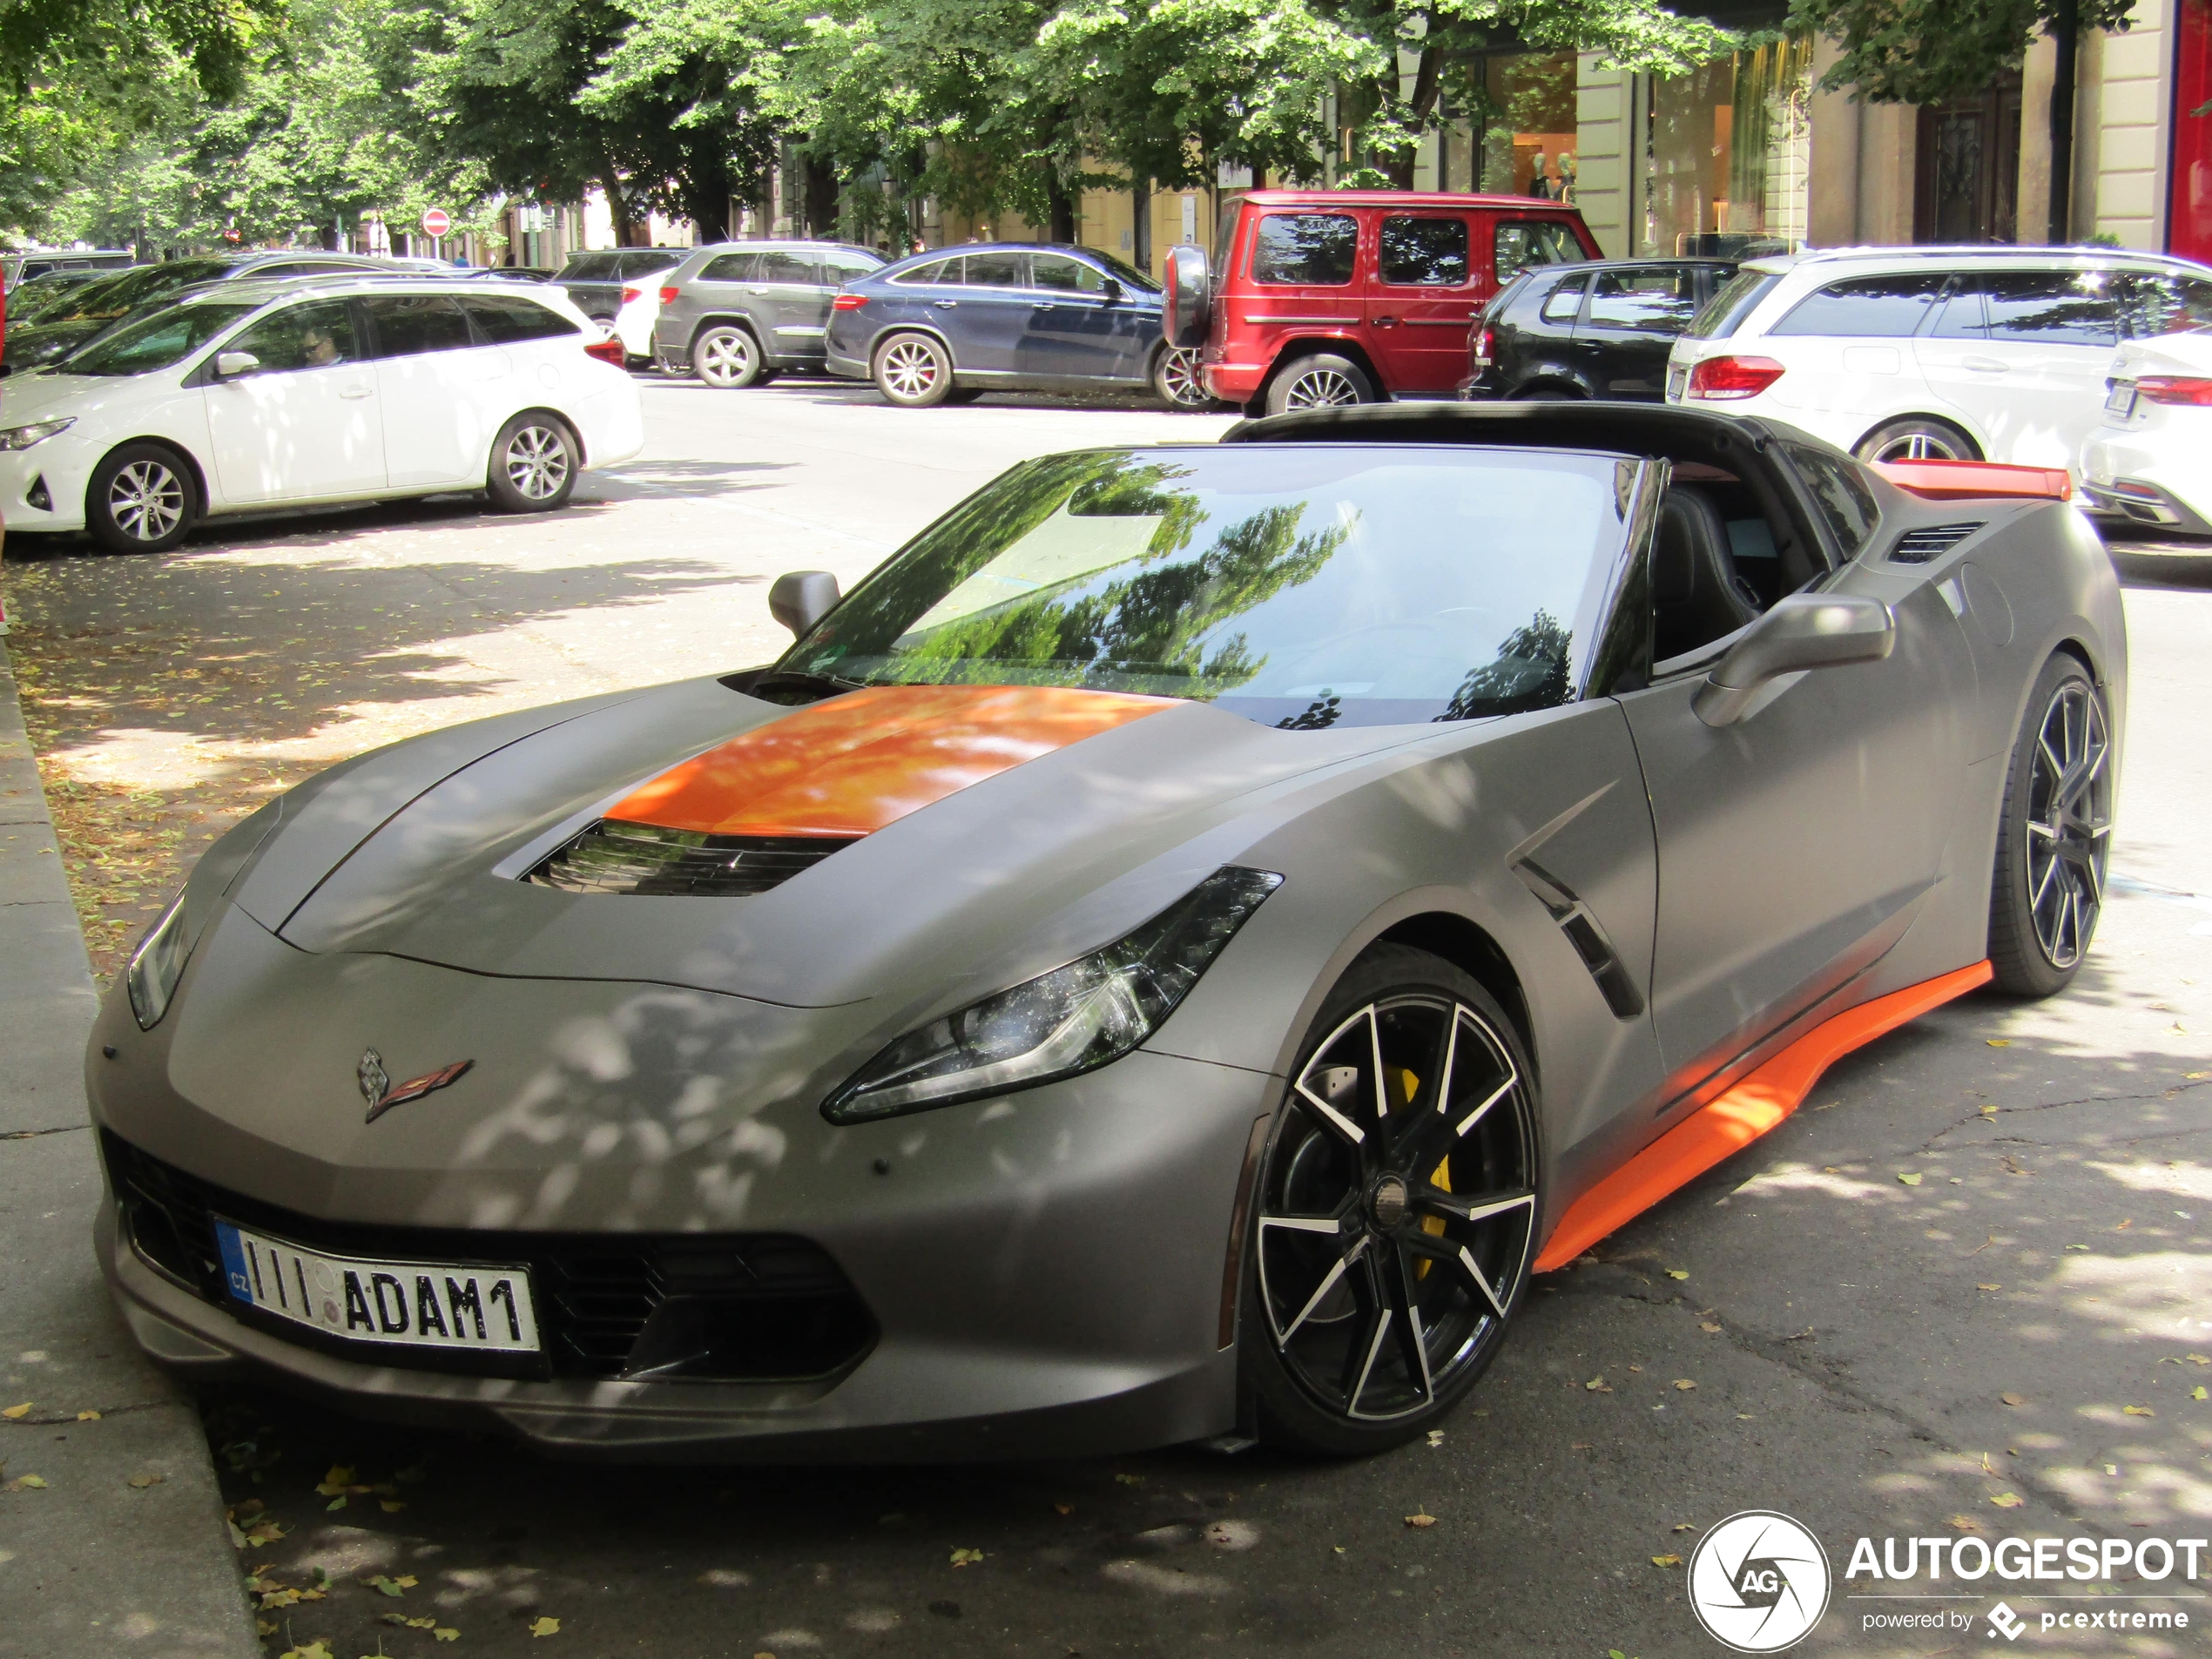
x: 668, y: 296
x: 1727, y: 377
x: 848, y: 301
x: 1484, y: 345
x: 629, y: 294
x: 610, y: 350
x: 2176, y: 389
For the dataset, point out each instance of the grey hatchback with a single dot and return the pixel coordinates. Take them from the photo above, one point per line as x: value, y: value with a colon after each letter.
x: 736, y: 313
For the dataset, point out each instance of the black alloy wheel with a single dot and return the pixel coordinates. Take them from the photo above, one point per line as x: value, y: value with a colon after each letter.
x: 2048, y: 889
x: 1394, y: 1217
x: 141, y: 498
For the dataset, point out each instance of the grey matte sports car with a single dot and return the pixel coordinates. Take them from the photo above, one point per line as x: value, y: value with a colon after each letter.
x: 1167, y: 957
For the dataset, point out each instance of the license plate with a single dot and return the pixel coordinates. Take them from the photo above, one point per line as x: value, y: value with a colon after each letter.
x: 2122, y: 401
x: 417, y: 1305
x: 1676, y: 379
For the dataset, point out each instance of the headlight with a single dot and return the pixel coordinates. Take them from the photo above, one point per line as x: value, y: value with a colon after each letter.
x: 1076, y: 1018
x: 157, y: 965
x: 22, y: 437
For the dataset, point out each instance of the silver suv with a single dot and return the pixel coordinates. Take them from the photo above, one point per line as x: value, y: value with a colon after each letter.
x: 736, y: 313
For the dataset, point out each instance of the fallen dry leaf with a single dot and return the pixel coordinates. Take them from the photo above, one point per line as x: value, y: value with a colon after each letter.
x: 392, y: 1505
x: 88, y: 1417
x: 319, y: 1648
x: 2201, y: 1359
x: 2197, y: 1392
x: 2013, y: 1400
x: 1708, y: 1326
x: 2008, y: 1500
x: 2137, y: 1411
x: 1436, y: 1437
x: 1685, y: 1526
x: 1666, y: 1560
x: 1682, y: 1384
x: 25, y: 1483
x: 1596, y: 1385
x: 1678, y: 1272
x: 446, y: 1633
x: 1065, y: 1508
x: 142, y: 1481
x: 1989, y: 1287
x: 967, y: 1557
x: 1912, y: 1180
x: 1966, y: 1523
x: 545, y: 1626
x: 1131, y: 1480
x: 1422, y: 1521
x: 23, y: 1410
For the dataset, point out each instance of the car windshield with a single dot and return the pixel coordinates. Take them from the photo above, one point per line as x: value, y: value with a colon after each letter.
x: 167, y: 337
x: 1302, y: 586
x: 106, y: 301
x: 1128, y: 275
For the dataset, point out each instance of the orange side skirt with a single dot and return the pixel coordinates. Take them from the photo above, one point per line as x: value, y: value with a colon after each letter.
x: 1731, y: 1122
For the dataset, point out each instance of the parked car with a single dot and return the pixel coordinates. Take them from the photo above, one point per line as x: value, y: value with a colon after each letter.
x: 1317, y: 298
x: 736, y: 313
x: 31, y: 263
x: 1925, y: 353
x: 34, y: 296
x: 957, y: 322
x: 249, y: 394
x: 2151, y: 460
x: 1174, y: 953
x: 99, y: 306
x: 594, y: 279
x: 1597, y: 330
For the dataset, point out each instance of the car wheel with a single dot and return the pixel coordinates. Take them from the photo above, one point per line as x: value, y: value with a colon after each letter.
x: 533, y: 464
x: 727, y: 358
x: 1916, y: 438
x: 141, y: 499
x: 1175, y: 380
x: 2047, y: 888
x: 914, y: 371
x: 1322, y: 381
x: 1394, y: 1213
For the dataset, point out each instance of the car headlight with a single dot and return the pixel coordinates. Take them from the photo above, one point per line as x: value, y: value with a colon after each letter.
x: 157, y: 965
x: 1074, y: 1019
x: 22, y: 437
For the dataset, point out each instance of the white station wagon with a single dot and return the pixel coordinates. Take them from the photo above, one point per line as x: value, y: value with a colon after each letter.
x: 254, y: 395
x: 1962, y: 354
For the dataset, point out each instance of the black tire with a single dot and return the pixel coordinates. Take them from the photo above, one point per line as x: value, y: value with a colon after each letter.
x: 2047, y: 890
x: 727, y: 358
x: 142, y: 498
x: 912, y: 371
x: 1325, y: 1372
x: 533, y: 463
x: 1175, y: 380
x: 1319, y: 381
x: 1916, y: 437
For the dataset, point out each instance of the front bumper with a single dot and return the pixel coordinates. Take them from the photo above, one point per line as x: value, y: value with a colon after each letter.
x: 51, y: 471
x: 1043, y: 1272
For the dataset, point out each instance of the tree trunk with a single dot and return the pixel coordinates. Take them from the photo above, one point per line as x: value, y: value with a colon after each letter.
x: 2065, y: 36
x: 818, y: 203
x: 618, y: 209
x: 1061, y: 206
x: 1427, y: 85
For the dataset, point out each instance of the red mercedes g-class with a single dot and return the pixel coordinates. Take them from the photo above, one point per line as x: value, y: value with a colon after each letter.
x: 1319, y: 297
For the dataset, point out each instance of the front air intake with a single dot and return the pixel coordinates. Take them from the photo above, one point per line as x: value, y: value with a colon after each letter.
x: 1918, y: 547
x: 616, y: 857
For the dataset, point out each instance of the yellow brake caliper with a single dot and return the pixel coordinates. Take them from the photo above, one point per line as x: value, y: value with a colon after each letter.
x: 1410, y: 1086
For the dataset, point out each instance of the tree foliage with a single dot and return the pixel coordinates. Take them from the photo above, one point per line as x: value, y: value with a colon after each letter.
x: 1925, y: 51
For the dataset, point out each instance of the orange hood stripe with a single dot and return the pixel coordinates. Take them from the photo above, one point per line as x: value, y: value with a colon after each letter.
x: 850, y: 765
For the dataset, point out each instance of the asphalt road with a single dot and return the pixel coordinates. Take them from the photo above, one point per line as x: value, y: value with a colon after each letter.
x: 1856, y: 1340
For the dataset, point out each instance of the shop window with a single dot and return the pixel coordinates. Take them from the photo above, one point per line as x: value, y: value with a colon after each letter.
x: 1726, y: 156
x: 1528, y: 131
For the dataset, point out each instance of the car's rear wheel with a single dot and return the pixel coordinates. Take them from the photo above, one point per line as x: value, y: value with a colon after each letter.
x: 914, y: 371
x: 1176, y: 381
x: 533, y: 463
x: 727, y: 358
x: 142, y: 498
x: 1917, y: 437
x: 1323, y: 380
x: 1394, y: 1214
x: 2047, y: 888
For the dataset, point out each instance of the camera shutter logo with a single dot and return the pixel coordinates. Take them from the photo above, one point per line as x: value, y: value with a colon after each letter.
x: 1758, y: 1581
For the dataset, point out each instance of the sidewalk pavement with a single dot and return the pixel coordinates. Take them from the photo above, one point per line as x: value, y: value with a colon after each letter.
x: 123, y: 1550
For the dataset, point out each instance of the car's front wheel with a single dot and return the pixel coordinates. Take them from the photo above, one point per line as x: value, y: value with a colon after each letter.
x: 1393, y: 1217
x: 142, y: 499
x: 1917, y: 437
x: 728, y: 359
x: 2048, y: 889
x: 1321, y: 381
x: 914, y: 371
x: 534, y: 464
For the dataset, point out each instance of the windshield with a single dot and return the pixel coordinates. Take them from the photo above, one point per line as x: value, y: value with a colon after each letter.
x: 1301, y: 586
x: 1128, y: 275
x: 154, y: 342
x: 106, y: 301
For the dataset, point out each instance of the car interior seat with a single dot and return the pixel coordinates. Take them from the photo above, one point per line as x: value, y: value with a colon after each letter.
x: 1697, y: 593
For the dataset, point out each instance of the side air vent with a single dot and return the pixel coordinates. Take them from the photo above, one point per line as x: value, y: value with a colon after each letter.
x: 1918, y: 547
x: 615, y: 857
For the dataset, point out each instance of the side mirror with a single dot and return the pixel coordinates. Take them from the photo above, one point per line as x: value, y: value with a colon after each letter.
x: 1188, y: 312
x: 1804, y: 630
x: 231, y: 364
x: 1112, y: 290
x: 801, y: 598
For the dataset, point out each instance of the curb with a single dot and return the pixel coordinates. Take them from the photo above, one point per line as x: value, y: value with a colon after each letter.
x: 90, y: 1563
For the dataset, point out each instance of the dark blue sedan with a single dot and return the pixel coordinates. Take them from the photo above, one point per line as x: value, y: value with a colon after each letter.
x: 951, y: 324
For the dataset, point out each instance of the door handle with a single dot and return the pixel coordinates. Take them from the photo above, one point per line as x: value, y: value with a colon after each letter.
x: 1385, y: 322
x: 1984, y: 365
x: 355, y: 391
x: 944, y: 305
x: 756, y: 290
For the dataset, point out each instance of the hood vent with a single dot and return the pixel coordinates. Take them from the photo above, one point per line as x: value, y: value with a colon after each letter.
x: 1918, y: 547
x: 616, y: 857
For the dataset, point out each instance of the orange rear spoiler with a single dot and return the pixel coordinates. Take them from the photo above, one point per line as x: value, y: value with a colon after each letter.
x: 1964, y: 479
